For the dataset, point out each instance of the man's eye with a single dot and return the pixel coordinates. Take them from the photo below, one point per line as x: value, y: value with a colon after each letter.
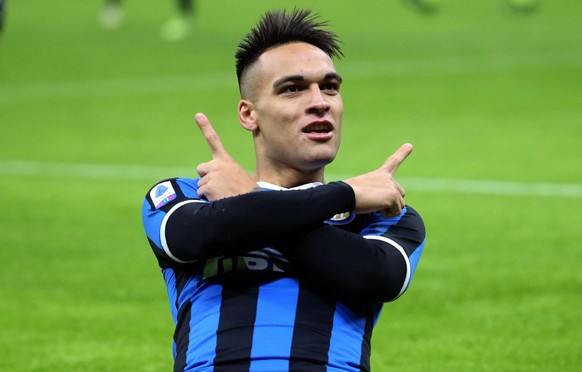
x: 291, y: 89
x: 330, y: 86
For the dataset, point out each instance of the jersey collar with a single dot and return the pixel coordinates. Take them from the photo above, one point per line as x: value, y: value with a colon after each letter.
x: 270, y: 186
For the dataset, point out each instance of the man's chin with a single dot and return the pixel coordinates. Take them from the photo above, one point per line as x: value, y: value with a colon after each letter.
x: 321, y: 160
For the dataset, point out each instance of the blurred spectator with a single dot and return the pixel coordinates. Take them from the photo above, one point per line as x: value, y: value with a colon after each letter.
x: 425, y: 6
x: 177, y: 28
x: 112, y: 14
x: 433, y: 6
x: 2, y: 2
x: 523, y: 6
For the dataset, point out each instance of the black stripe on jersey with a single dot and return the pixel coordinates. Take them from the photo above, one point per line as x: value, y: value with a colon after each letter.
x: 182, y: 332
x: 367, y: 340
x: 309, y: 348
x: 409, y: 232
x: 182, y: 336
x: 238, y: 311
x: 182, y: 278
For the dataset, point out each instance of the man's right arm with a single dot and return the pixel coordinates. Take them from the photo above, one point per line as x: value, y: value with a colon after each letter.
x: 189, y: 229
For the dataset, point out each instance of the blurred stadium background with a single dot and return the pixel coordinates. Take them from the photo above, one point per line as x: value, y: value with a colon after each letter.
x: 491, y: 98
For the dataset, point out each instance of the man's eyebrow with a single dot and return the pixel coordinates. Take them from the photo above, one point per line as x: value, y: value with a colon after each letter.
x: 288, y: 78
x: 294, y: 78
x: 333, y: 76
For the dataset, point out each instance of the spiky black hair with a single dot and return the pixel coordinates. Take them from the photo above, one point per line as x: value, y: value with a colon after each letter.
x: 279, y: 27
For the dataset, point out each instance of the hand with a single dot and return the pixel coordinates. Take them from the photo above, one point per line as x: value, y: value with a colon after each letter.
x: 221, y: 177
x: 378, y: 190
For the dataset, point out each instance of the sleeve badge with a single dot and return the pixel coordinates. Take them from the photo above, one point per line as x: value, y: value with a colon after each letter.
x: 162, y: 194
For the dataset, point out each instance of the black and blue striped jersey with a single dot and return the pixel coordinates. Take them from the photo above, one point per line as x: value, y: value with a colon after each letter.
x: 277, y: 281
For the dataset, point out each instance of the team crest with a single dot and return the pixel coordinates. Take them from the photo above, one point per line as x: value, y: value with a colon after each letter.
x: 162, y: 194
x: 342, y: 218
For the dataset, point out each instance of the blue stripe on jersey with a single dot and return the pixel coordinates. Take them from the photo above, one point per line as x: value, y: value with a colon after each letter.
x: 346, y: 326
x: 170, y: 279
x: 274, y: 310
x: 380, y: 224
x: 152, y: 220
x: 189, y: 187
x: 205, y: 303
x: 415, y: 258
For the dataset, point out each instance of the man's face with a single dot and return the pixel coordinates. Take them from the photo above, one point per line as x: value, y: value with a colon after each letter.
x: 297, y: 106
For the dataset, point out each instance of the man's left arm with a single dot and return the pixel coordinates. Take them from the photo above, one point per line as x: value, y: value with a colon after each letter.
x: 374, y: 266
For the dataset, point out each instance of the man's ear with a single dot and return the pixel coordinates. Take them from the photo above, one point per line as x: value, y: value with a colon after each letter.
x: 246, y: 115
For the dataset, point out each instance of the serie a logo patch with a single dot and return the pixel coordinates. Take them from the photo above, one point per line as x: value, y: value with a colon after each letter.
x: 162, y: 194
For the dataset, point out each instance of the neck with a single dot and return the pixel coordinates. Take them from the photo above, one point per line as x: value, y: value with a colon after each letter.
x: 289, y: 178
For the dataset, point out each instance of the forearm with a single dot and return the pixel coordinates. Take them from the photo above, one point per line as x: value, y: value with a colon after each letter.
x: 348, y: 266
x: 251, y: 221
x: 376, y: 267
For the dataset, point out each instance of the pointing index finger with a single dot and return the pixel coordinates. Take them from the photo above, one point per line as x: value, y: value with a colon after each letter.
x: 216, y: 147
x: 394, y: 161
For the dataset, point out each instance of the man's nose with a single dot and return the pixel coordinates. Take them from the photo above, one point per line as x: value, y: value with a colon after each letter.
x: 317, y: 102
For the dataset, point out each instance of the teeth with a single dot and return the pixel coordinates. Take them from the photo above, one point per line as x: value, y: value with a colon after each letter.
x: 320, y: 128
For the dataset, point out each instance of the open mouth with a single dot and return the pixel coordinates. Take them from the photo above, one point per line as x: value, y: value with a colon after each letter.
x: 318, y: 128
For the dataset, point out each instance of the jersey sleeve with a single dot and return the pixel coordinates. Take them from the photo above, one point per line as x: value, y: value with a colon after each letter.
x: 184, y: 228
x: 159, y: 203
x: 405, y: 233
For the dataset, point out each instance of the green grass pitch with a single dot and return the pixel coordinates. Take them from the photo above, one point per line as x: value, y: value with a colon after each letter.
x: 91, y: 118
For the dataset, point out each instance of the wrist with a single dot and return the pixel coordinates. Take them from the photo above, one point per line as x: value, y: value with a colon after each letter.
x: 349, y: 193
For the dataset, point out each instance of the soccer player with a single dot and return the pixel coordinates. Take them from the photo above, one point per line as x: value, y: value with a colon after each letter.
x: 279, y: 270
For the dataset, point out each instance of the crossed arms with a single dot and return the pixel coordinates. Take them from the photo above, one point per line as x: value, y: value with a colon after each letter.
x: 344, y: 264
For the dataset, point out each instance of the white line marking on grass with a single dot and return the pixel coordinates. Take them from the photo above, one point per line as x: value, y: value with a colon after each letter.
x: 493, y: 187
x: 171, y: 84
x: 98, y: 171
x: 154, y: 174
